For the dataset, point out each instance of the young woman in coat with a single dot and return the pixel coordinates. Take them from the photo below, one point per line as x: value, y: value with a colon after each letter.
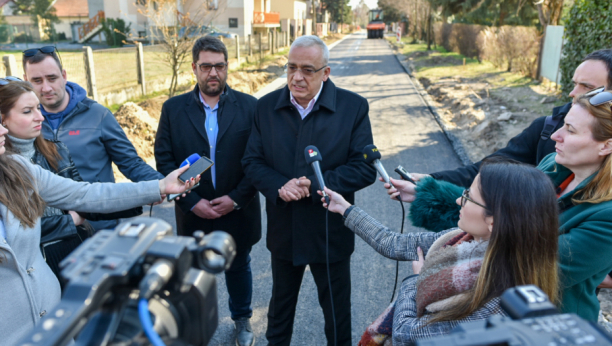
x: 506, y: 236
x: 28, y: 287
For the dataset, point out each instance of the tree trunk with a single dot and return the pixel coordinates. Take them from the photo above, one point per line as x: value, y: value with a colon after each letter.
x: 429, y: 28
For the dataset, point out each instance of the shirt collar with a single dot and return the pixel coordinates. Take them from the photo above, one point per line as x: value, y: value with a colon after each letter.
x: 310, y: 104
x: 206, y: 104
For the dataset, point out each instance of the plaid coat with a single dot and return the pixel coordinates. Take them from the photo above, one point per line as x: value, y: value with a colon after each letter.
x: 407, y: 327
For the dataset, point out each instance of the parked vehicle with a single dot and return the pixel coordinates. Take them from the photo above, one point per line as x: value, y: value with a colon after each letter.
x: 203, y: 31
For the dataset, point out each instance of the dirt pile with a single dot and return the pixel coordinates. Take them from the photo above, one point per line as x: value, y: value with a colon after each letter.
x: 140, y: 129
x: 483, y: 117
x: 250, y: 80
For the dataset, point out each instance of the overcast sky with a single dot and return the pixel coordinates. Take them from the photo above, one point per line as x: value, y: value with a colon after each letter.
x: 370, y: 3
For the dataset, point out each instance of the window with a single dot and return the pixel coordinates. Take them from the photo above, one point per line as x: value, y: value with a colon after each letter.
x: 233, y: 22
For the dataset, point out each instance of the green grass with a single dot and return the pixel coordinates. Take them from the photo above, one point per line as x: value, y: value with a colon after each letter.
x: 451, y: 64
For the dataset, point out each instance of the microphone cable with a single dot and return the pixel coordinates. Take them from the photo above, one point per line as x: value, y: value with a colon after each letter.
x: 401, y: 232
x: 331, y: 293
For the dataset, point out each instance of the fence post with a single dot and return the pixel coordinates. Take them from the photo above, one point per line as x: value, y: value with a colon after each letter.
x: 140, y: 68
x: 286, y: 38
x: 260, y: 47
x: 270, y: 43
x: 250, y: 47
x: 90, y: 75
x: 276, y: 40
x: 272, y: 48
x: 10, y: 64
x: 238, y: 49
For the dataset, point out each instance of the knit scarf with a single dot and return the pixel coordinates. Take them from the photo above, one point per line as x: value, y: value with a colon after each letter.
x: 451, y: 267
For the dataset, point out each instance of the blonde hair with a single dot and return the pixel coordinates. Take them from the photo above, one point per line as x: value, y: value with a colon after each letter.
x: 599, y: 189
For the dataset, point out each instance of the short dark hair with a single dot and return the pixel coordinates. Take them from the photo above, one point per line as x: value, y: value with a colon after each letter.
x: 605, y: 56
x: 208, y: 44
x: 40, y: 56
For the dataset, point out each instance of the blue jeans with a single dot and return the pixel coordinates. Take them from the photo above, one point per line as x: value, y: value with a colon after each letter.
x: 239, y: 281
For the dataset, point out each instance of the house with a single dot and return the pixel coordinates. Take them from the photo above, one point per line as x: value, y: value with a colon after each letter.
x: 293, y: 14
x: 72, y: 15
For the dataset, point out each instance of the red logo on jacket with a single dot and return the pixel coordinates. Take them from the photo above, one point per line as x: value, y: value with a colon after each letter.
x: 74, y: 133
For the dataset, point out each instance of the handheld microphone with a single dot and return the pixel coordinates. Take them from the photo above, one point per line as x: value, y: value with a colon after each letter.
x: 313, y: 157
x: 188, y: 161
x: 372, y: 157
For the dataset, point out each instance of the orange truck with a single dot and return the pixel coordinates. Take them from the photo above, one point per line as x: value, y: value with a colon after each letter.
x: 376, y: 26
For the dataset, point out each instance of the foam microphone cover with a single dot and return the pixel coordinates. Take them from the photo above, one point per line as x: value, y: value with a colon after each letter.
x: 312, y: 154
x: 190, y: 160
x: 371, y: 153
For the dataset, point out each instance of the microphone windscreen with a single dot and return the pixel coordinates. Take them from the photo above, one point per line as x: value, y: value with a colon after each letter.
x: 312, y: 154
x: 371, y: 153
x: 190, y: 160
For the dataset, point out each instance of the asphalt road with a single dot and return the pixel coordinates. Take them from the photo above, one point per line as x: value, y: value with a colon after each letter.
x: 405, y: 133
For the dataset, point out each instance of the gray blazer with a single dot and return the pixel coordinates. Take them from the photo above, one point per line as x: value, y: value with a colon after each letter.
x: 28, y: 288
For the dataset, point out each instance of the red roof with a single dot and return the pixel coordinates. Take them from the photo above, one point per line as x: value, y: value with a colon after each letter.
x: 70, y: 8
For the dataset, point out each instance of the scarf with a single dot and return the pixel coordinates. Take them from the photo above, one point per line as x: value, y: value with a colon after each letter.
x: 451, y: 267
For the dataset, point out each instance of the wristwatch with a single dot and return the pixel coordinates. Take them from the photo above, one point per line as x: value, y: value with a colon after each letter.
x: 236, y: 206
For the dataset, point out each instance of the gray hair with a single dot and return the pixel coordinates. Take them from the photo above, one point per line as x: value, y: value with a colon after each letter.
x: 309, y: 41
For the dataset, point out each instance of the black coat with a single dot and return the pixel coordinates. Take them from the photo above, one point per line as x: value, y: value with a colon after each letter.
x: 339, y: 127
x: 527, y: 147
x: 181, y: 133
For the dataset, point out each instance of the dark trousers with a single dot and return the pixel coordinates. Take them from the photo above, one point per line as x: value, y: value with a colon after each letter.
x: 286, y: 282
x: 239, y: 281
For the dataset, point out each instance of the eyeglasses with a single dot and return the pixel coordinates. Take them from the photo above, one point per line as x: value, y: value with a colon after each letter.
x: 5, y: 81
x: 33, y: 51
x: 220, y: 67
x: 306, y: 71
x: 465, y: 196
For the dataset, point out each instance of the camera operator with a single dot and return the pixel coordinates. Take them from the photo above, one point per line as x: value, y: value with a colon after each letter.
x: 28, y: 287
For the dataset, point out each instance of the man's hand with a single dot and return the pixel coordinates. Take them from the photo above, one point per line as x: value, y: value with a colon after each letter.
x: 607, y: 283
x: 403, y: 187
x: 205, y: 210
x: 295, y: 189
x: 337, y: 203
x: 222, y: 205
x: 76, y: 218
x: 417, y: 265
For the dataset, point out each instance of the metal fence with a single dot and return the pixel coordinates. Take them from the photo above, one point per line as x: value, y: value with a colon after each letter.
x: 115, y: 71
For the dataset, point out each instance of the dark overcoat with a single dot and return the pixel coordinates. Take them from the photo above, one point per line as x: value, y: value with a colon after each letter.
x: 181, y: 133
x: 339, y: 127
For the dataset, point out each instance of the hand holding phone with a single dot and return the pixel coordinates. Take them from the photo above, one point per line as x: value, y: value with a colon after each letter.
x: 198, y: 167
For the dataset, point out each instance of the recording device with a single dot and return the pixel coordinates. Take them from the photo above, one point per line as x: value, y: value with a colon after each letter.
x: 372, y: 156
x: 533, y: 321
x: 193, y: 161
x: 139, y: 265
x: 404, y: 174
x: 313, y: 157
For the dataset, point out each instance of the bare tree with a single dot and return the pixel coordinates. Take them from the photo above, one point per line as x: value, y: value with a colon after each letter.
x: 175, y: 25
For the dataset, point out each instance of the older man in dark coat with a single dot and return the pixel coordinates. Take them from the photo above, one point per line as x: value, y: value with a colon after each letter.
x: 311, y: 110
x: 215, y: 121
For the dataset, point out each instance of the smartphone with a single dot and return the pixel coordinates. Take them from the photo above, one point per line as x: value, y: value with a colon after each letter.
x: 198, y: 167
x: 404, y: 174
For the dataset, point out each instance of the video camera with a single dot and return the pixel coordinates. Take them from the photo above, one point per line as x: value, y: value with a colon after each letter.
x: 117, y: 279
x: 534, y: 321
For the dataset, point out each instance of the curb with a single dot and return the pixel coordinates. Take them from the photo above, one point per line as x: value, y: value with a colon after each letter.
x: 427, y: 101
x: 282, y: 80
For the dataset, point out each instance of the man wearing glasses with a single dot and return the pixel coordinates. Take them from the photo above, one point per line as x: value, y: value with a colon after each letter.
x: 310, y: 110
x: 215, y: 121
x: 89, y: 130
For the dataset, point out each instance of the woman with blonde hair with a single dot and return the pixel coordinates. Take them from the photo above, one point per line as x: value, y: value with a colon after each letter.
x: 506, y: 236
x: 28, y: 287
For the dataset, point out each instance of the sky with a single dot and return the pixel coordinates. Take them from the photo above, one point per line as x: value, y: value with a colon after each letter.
x: 370, y: 3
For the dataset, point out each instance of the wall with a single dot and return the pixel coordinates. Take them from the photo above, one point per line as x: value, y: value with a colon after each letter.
x: 288, y: 9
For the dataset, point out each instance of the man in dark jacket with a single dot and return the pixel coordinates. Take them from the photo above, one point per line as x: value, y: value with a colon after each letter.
x: 310, y: 110
x: 215, y: 121
x: 88, y: 129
